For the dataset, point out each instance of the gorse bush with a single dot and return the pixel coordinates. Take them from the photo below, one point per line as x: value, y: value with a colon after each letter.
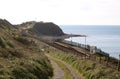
x: 23, y: 40
x: 33, y: 70
x: 22, y: 73
x: 3, y: 43
x: 11, y: 44
x: 28, y: 69
x: 8, y: 53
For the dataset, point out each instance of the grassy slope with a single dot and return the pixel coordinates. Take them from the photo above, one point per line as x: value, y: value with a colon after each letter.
x: 89, y: 69
x: 21, y: 59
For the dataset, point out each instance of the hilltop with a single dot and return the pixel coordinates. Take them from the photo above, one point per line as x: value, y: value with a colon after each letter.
x: 41, y: 28
x: 45, y: 30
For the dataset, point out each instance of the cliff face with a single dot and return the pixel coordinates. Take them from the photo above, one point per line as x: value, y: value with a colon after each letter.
x: 47, y: 29
x: 41, y: 28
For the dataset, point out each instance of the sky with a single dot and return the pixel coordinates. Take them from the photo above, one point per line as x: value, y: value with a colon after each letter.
x: 62, y: 12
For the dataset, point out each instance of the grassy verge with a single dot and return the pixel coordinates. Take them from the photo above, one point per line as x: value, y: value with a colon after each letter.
x: 89, y: 69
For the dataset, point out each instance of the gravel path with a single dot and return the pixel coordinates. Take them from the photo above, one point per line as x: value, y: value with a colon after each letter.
x: 59, y: 73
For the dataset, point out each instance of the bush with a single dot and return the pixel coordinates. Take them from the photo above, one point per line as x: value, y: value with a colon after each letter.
x: 44, y: 65
x: 10, y: 43
x: 23, y: 40
x: 16, y: 53
x: 22, y: 73
x: 4, y: 53
x: 3, y: 43
x: 33, y: 69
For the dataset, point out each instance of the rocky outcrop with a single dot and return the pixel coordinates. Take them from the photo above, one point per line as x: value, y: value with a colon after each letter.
x: 47, y: 29
x: 41, y: 28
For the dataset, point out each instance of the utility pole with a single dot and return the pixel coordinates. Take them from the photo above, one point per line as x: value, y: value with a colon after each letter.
x: 71, y: 38
x: 119, y: 63
x: 85, y: 42
x: 85, y: 48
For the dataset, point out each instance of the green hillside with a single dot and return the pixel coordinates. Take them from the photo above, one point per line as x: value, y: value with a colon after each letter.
x: 21, y: 56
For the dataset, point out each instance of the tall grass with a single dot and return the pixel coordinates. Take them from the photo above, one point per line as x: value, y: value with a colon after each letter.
x: 89, y: 69
x: 31, y: 68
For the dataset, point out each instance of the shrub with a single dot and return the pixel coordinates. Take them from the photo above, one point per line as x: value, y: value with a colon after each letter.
x: 16, y: 53
x: 23, y: 40
x: 32, y: 69
x: 10, y: 43
x: 4, y: 53
x: 3, y: 43
x: 21, y: 73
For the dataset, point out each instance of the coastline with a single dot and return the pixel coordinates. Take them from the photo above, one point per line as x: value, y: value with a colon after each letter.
x: 104, y: 37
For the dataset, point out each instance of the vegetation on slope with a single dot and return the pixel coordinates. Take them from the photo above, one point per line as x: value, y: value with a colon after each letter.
x: 89, y: 69
x: 21, y: 56
x: 25, y: 68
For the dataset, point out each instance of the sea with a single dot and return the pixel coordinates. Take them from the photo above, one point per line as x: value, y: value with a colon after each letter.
x: 105, y: 37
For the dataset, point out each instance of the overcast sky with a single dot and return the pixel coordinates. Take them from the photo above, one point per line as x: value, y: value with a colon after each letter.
x: 78, y: 12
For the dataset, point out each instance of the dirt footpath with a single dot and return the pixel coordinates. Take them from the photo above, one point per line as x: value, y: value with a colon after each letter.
x: 59, y: 73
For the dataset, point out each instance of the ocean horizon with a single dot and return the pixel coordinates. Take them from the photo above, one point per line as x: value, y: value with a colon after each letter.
x: 105, y: 37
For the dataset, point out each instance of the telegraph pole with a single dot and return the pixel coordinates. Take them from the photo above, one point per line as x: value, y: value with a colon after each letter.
x: 85, y: 48
x: 119, y: 63
x: 71, y: 38
x: 85, y: 42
